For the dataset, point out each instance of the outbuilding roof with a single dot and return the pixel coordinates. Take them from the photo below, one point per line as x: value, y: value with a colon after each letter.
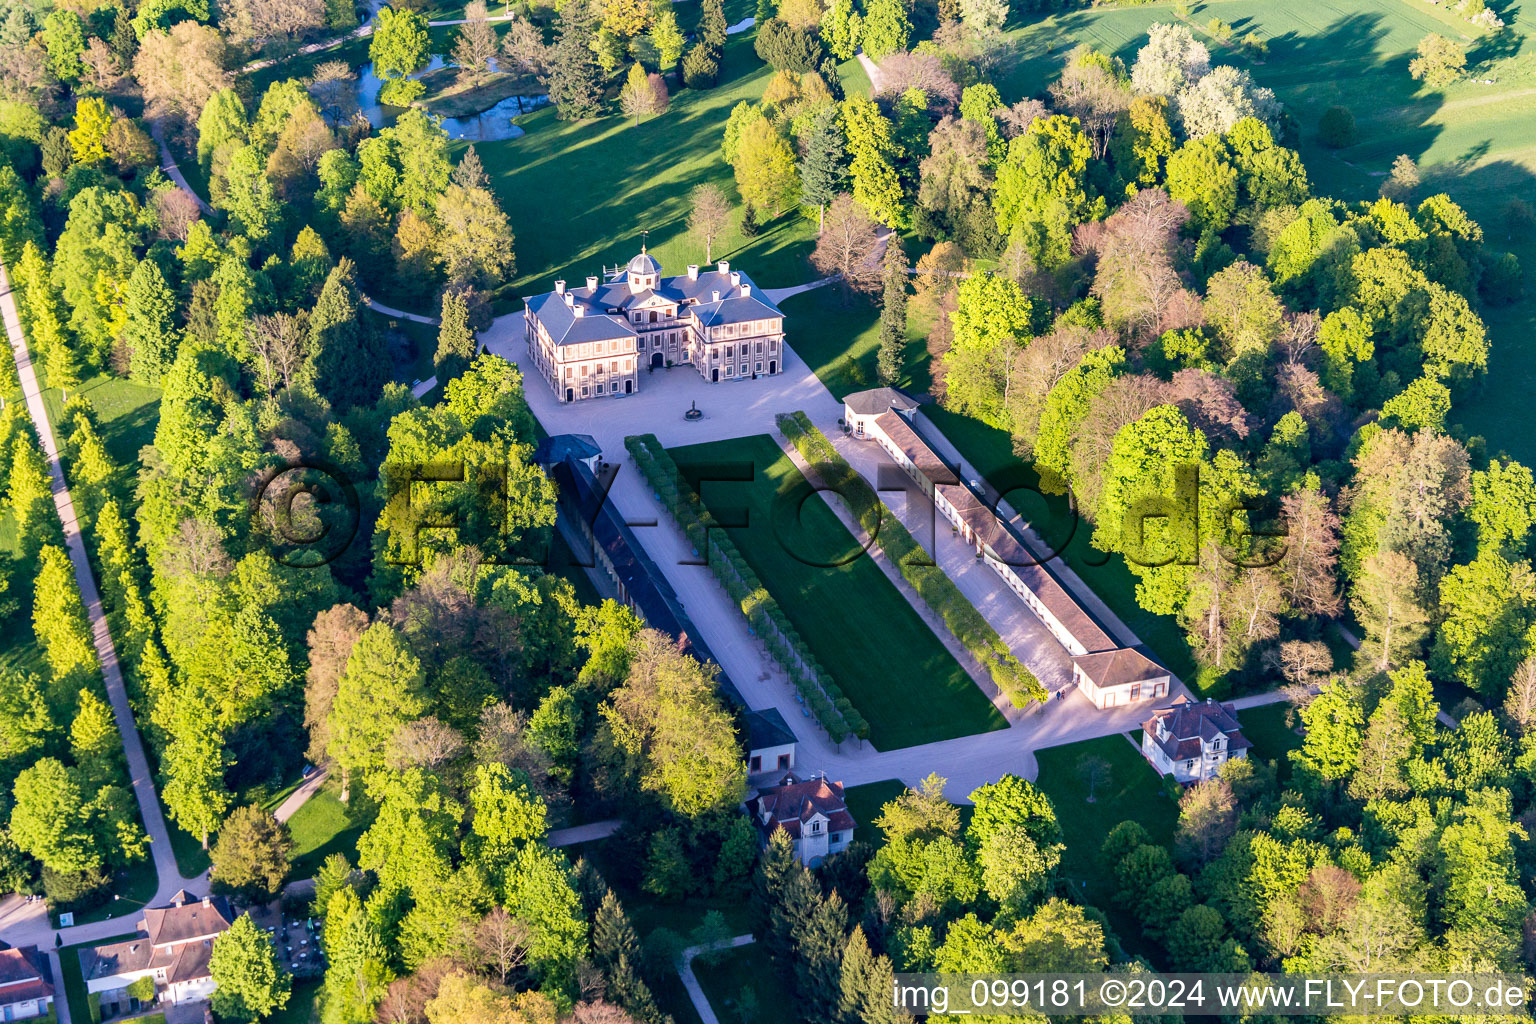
x: 767, y: 728
x: 24, y: 975
x: 1186, y: 723
x: 878, y: 400
x: 793, y: 803
x: 1117, y: 667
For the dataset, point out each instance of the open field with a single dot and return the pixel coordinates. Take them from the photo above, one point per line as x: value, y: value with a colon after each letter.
x: 323, y: 826
x: 741, y: 976
x: 1475, y: 140
x: 579, y: 194
x: 864, y: 632
x: 1272, y: 741
x: 1132, y: 793
x: 126, y: 412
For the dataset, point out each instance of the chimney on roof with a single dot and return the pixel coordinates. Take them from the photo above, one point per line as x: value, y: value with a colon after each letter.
x: 723, y: 267
x: 693, y: 271
x: 578, y: 310
x: 746, y: 290
x: 591, y: 284
x: 207, y: 901
x: 570, y: 300
x: 716, y: 296
x: 735, y: 277
x: 559, y: 287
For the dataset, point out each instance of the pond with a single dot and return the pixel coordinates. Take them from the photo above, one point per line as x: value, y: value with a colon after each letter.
x: 488, y: 125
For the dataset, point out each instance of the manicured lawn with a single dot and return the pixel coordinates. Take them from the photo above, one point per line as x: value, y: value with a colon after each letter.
x: 303, y: 1005
x: 579, y: 193
x: 1272, y: 741
x: 865, y: 802
x: 191, y: 858
x: 837, y: 336
x: 126, y: 412
x: 74, y: 983
x: 885, y: 658
x: 738, y: 972
x: 1133, y: 792
x: 323, y: 826
x: 136, y: 885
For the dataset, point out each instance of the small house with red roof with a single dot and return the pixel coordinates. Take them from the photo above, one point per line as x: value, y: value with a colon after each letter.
x: 812, y: 811
x: 1191, y: 741
x: 26, y: 983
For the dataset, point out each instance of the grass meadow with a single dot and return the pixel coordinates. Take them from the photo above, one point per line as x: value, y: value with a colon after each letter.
x: 1133, y: 793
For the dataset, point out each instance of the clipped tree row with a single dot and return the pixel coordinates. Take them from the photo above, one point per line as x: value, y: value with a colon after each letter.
x: 825, y: 699
x: 937, y: 590
x: 95, y: 482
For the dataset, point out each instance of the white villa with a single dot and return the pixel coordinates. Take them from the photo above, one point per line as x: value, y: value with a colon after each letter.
x: 1192, y: 741
x: 592, y: 342
x: 1108, y: 675
x: 173, y: 947
x: 812, y: 811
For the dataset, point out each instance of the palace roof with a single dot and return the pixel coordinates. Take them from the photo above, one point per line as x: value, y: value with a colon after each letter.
x: 714, y: 297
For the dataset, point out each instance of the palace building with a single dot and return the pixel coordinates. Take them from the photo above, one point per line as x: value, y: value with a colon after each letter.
x: 592, y: 342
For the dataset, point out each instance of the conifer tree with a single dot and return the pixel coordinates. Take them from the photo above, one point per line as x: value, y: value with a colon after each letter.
x: 712, y: 24
x: 62, y: 367
x: 575, y: 78
x: 94, y: 740
x: 865, y: 985
x: 819, y: 943
x: 45, y: 321
x: 91, y: 470
x: 349, y: 361
x: 58, y: 619
x: 822, y: 168
x: 615, y: 951
x: 309, y: 262
x: 151, y: 328
x: 791, y: 916
x: 28, y: 487
x: 893, y: 313
x: 774, y: 870
x: 455, y: 338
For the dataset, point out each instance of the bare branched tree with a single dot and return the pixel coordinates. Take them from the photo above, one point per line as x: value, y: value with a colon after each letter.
x: 847, y: 246
x: 476, y: 45
x: 425, y: 743
x: 501, y: 942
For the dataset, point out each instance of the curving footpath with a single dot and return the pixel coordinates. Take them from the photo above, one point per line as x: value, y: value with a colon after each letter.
x: 691, y: 981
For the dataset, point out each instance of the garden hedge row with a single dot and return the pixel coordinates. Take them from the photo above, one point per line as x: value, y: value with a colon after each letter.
x: 936, y: 589
x: 825, y: 699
